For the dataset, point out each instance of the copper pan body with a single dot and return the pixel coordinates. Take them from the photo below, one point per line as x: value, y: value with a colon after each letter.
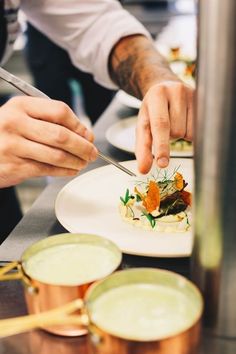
x: 47, y: 297
x: 100, y: 342
x: 41, y: 297
x: 185, y: 342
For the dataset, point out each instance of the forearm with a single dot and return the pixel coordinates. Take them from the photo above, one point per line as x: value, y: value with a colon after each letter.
x: 135, y: 65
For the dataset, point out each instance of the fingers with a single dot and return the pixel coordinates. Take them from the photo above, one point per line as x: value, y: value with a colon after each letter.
x: 190, y: 115
x: 143, y: 144
x: 60, y: 129
x: 51, y: 144
x: 48, y: 155
x: 166, y: 112
x: 178, y: 110
x: 160, y: 125
x: 21, y: 159
x: 53, y: 111
x: 35, y: 168
x: 57, y: 136
x: 28, y: 169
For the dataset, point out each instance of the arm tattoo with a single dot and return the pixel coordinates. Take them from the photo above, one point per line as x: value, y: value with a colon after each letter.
x: 135, y: 65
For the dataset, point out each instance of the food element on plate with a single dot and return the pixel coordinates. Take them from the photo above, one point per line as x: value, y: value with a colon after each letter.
x: 181, y: 145
x: 174, y: 53
x: 70, y: 264
x: 143, y: 311
x: 158, y: 203
x: 183, y: 66
x: 190, y: 69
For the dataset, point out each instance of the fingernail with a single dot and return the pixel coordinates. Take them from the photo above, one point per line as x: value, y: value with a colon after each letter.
x: 94, y: 154
x: 163, y: 162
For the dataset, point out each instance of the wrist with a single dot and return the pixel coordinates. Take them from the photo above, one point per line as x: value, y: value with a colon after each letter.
x: 162, y: 77
x: 136, y: 65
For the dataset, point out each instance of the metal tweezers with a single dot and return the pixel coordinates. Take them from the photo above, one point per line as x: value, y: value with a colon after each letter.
x: 30, y: 90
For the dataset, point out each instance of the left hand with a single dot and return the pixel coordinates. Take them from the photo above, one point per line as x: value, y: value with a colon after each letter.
x: 166, y: 112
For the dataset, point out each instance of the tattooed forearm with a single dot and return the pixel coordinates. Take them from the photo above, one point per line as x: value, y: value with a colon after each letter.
x: 135, y: 65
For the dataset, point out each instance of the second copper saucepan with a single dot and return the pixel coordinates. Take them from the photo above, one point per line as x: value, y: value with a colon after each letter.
x: 135, y: 311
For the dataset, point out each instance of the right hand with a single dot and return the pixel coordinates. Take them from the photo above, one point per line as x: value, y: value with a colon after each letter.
x: 40, y: 137
x: 166, y: 112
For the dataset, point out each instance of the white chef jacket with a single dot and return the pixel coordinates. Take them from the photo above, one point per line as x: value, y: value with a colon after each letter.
x: 87, y: 29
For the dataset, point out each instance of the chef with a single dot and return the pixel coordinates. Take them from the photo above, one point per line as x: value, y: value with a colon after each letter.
x: 39, y: 137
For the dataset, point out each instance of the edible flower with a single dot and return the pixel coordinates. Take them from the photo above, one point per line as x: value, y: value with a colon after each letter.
x: 179, y: 182
x: 152, y: 200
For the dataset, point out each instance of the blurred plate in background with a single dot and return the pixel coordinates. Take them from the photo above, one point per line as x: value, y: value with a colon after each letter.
x: 122, y: 136
x: 128, y: 100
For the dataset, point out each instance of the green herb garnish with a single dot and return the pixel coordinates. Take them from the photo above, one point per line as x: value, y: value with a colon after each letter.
x: 151, y: 219
x: 188, y: 223
x: 127, y: 197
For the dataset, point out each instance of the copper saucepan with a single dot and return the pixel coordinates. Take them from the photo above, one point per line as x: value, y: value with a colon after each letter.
x: 109, y: 306
x: 44, y: 292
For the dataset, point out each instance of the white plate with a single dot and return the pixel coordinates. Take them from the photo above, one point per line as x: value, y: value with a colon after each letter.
x: 89, y: 204
x: 122, y: 135
x: 128, y: 100
x: 176, y: 35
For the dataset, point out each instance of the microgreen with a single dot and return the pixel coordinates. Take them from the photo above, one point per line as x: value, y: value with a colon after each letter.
x: 188, y: 223
x: 160, y: 176
x: 166, y: 176
x: 131, y: 210
x: 150, y: 218
x: 126, y: 198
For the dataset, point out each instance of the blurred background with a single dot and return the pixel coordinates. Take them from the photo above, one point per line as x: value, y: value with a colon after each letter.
x: 171, y: 23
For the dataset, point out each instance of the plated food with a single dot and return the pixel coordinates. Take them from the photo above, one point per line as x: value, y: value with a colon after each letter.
x: 181, y: 145
x: 90, y: 204
x: 158, y: 203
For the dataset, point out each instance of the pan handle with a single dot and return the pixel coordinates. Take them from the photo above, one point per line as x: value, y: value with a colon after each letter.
x: 6, y: 274
x: 59, y: 316
x: 4, y: 271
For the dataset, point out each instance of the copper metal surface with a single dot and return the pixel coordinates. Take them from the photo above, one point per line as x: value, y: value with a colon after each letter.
x: 41, y: 297
x: 185, y: 342
x: 100, y: 342
x: 48, y: 297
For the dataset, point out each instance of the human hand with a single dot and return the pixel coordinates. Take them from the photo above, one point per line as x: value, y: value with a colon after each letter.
x: 166, y: 112
x: 40, y: 137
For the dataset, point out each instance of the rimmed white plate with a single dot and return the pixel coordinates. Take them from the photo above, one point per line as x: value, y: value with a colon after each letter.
x: 89, y: 204
x: 122, y: 135
x: 128, y: 100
